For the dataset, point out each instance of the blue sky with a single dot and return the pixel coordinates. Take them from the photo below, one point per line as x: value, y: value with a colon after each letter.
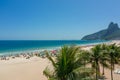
x: 55, y: 19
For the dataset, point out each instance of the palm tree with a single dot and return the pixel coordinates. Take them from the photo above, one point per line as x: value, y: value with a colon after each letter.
x: 96, y: 59
x: 67, y: 65
x: 84, y: 56
x: 113, y: 56
x: 104, y: 57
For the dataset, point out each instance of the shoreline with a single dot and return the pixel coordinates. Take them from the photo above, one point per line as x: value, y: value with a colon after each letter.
x: 38, y: 50
x: 40, y: 53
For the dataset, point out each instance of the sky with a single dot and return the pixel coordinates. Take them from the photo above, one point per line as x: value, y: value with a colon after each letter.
x: 55, y: 19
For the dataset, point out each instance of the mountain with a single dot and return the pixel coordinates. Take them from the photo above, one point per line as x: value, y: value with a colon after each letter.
x: 111, y: 33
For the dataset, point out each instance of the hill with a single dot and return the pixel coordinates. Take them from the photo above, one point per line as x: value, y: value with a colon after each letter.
x: 111, y: 33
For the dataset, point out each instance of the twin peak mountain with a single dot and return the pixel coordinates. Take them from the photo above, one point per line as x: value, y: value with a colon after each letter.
x: 111, y: 33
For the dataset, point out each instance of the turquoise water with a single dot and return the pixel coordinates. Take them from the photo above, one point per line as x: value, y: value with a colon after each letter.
x: 19, y: 46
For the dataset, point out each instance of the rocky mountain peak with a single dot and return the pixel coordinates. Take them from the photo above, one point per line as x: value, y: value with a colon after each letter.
x: 113, y: 26
x: 111, y: 33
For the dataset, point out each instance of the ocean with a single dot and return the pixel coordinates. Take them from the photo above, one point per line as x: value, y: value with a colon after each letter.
x: 21, y: 46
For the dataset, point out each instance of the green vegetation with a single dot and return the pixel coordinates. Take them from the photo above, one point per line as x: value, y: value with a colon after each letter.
x: 72, y: 63
x: 96, y: 58
x: 114, y: 56
x: 113, y: 32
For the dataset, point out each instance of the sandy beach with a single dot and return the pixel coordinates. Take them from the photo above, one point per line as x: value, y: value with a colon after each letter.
x: 32, y: 69
x: 23, y: 69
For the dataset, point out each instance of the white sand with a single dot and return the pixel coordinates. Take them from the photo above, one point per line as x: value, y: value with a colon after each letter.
x: 23, y: 69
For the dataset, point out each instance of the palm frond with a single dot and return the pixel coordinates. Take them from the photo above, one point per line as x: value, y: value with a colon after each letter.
x: 47, y: 73
x: 50, y: 58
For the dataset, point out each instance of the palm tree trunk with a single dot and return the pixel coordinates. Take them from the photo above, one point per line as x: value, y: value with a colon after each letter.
x: 96, y: 74
x: 113, y: 66
x: 84, y: 69
x: 63, y: 78
x: 96, y: 70
x: 111, y: 75
x: 103, y: 70
x: 111, y: 70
